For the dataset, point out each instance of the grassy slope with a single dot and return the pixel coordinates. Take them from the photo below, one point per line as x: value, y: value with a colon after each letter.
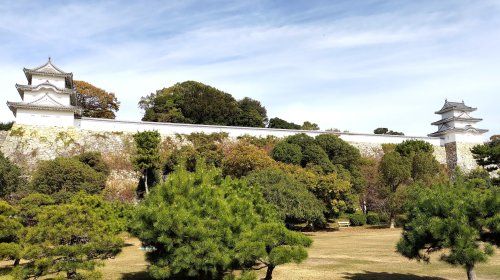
x: 351, y: 253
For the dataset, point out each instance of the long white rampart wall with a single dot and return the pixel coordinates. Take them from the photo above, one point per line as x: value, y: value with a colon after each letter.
x: 107, y: 125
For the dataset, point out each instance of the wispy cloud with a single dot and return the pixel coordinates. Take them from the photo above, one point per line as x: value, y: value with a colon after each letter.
x: 351, y: 65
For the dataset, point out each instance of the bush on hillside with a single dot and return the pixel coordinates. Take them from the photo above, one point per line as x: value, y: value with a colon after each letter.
x: 408, y: 147
x: 357, y: 219
x: 6, y: 126
x: 66, y: 175
x: 94, y: 160
x: 287, y: 153
x: 10, y: 177
x: 242, y: 158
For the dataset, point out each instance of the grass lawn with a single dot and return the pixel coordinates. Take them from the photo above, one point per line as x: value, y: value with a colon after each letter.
x: 351, y: 253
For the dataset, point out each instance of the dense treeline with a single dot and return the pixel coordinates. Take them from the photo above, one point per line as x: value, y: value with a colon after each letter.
x: 210, y: 205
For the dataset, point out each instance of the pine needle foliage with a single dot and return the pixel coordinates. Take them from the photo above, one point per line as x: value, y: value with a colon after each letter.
x: 192, y: 223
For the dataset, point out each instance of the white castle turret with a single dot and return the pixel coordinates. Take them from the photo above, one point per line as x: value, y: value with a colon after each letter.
x: 47, y: 99
x: 457, y: 133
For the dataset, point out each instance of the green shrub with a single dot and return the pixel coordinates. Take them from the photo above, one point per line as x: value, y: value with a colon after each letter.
x: 66, y: 175
x: 94, y: 160
x: 408, y: 147
x: 372, y: 218
x: 287, y: 153
x: 242, y: 158
x: 357, y: 219
x: 10, y: 177
x: 6, y: 126
x: 401, y: 220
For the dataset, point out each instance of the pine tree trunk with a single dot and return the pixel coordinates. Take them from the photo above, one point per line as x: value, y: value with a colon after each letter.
x: 269, y: 273
x: 471, y: 274
x: 146, y: 181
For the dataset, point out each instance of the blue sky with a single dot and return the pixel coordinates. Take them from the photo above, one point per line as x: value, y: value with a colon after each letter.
x: 351, y: 65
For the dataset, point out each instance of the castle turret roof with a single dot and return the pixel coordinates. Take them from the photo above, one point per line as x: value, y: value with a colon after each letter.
x: 459, y: 106
x: 49, y: 69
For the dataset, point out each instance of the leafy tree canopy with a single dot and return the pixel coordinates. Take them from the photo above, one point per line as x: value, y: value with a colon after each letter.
x: 280, y: 123
x: 291, y: 198
x: 96, y: 102
x: 194, y: 102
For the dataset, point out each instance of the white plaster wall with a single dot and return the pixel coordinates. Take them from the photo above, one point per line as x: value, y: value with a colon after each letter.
x: 30, y: 96
x: 233, y: 131
x: 45, y: 118
x: 39, y: 79
x: 463, y: 138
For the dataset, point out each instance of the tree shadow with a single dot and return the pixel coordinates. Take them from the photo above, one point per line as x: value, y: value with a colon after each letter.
x: 370, y: 275
x: 141, y: 275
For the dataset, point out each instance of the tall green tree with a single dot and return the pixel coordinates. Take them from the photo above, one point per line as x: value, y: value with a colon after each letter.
x: 70, y: 238
x: 252, y: 114
x: 96, y: 102
x: 294, y: 202
x: 194, y: 221
x: 146, y: 158
x: 461, y: 221
x: 395, y: 172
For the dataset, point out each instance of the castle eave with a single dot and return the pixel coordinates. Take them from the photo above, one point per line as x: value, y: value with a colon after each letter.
x: 22, y: 88
x: 13, y: 106
x: 471, y: 120
x: 471, y: 130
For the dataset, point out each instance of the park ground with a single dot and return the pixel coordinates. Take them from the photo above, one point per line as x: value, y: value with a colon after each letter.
x: 351, y: 253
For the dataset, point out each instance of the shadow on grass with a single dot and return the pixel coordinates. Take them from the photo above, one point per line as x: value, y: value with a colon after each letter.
x: 369, y: 275
x: 141, y: 275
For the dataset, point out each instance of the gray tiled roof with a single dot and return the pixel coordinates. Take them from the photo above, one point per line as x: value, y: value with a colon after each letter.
x: 460, y: 106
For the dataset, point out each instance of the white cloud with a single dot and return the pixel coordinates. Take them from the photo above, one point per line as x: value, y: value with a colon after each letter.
x: 355, y: 71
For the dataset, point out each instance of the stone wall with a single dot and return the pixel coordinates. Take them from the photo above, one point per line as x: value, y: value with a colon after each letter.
x: 26, y: 145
